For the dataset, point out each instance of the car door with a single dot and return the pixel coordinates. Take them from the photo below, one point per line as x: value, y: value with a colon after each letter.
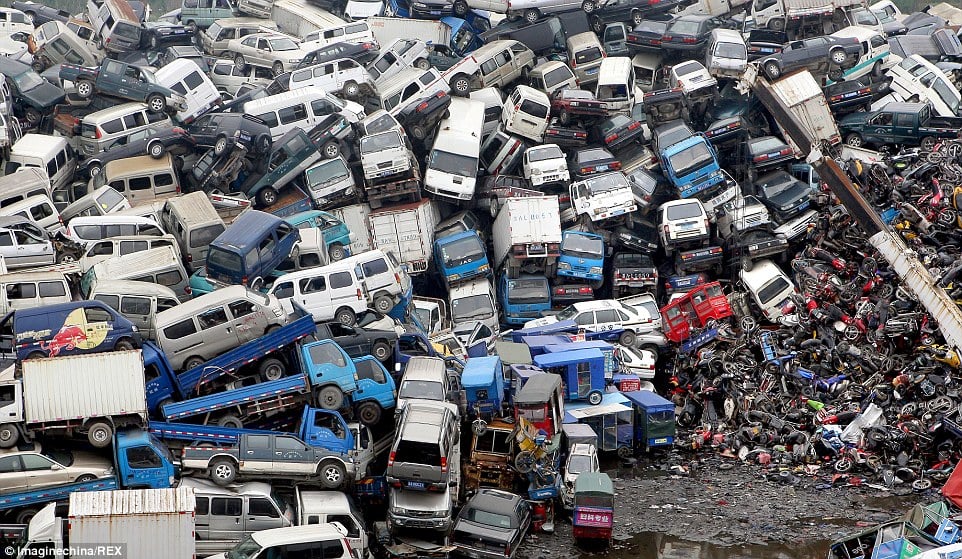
x: 350, y: 339
x: 880, y: 128
x: 606, y: 319
x: 33, y: 246
x: 41, y: 471
x: 12, y: 476
x: 262, y: 514
x: 218, y: 334
x: 202, y: 129
x: 226, y: 518
x: 292, y: 457
x: 257, y: 454
x: 137, y: 310
x: 249, y: 324
x: 262, y: 52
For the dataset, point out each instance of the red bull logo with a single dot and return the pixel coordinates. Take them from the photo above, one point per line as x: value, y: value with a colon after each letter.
x: 76, y: 333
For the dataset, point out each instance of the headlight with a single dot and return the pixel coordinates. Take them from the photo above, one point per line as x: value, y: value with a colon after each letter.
x: 595, y: 270
x: 454, y: 277
x: 564, y: 266
x: 399, y: 511
x: 483, y: 268
x: 536, y: 171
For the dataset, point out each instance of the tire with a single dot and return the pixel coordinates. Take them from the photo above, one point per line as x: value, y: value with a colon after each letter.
x: 596, y: 25
x: 277, y: 68
x: 461, y: 85
x: 627, y: 338
x: 460, y: 8
x: 636, y: 17
x: 351, y: 90
x: 524, y: 461
x: 193, y: 362
x: 154, y: 43
x: 381, y: 351
x: 383, y: 304
x: 835, y: 73
x: 263, y: 143
x: 9, y: 435
x: 588, y: 6
x: 531, y: 16
x: 772, y: 70
x: 332, y: 475
x: 422, y: 64
x: 331, y: 149
x: 36, y: 355
x: 927, y: 143
x: 267, y: 196
x: 418, y: 132
x: 85, y: 89
x: 156, y: 150
x: 220, y: 145
x: 345, y: 316
x: 271, y: 369
x: 624, y: 452
x: 231, y: 422
x: 240, y: 62
x: 369, y: 413
x: 156, y: 103
x: 32, y: 116
x: 652, y: 348
x: 776, y: 25
x: 192, y: 26
x: 595, y: 397
x: 336, y: 252
x: 84, y: 478
x: 124, y: 345
x: 37, y: 66
x: 838, y: 56
x: 94, y: 169
x: 223, y: 471
x: 330, y: 398
x: 100, y: 434
x: 854, y: 140
x: 564, y: 117
x: 877, y: 70
x: 25, y: 516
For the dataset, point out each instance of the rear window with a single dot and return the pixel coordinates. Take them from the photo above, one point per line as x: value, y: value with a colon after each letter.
x: 374, y: 267
x: 588, y: 55
x: 684, y: 211
x: 557, y: 76
x: 220, y: 258
x: 180, y: 329
x: 418, y: 453
x: 534, y: 109
x: 205, y: 235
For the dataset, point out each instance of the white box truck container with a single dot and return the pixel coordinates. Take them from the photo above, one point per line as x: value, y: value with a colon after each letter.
x: 298, y: 17
x: 407, y: 231
x: 527, y: 235
x: 355, y: 217
x: 387, y: 29
x: 802, y: 96
x: 142, y: 523
x: 90, y: 394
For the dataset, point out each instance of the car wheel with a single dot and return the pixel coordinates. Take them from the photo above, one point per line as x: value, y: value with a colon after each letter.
x: 37, y: 65
x: 267, y: 196
x: 94, y: 169
x: 240, y: 63
x: 220, y: 146
x: 332, y: 475
x: 461, y: 85
x: 278, y: 68
x: 336, y: 252
x: 156, y: 150
x: 418, y: 132
x: 85, y: 89
x: 636, y: 17
x: 461, y: 8
x: 124, y: 345
x: 223, y: 471
x: 772, y: 70
x: 100, y: 434
x: 263, y: 143
x: 32, y: 116
x: 156, y: 103
x: 531, y: 16
x: 192, y: 26
x: 838, y: 56
x: 877, y: 69
x: 588, y: 6
x: 9, y: 435
x: 927, y: 143
x: 595, y: 397
x: 835, y: 73
x: 564, y: 117
x: 383, y: 304
x: 84, y: 478
x: 330, y: 398
x: 271, y: 369
x: 351, y: 90
x: 345, y: 316
x: 230, y: 421
x: 854, y: 140
x: 776, y: 25
x: 627, y: 338
x: 422, y: 64
x: 193, y: 363
x: 597, y: 25
x: 331, y: 150
x: 369, y: 413
x: 381, y: 350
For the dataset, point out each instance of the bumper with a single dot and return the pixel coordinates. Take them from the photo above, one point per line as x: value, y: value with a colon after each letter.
x: 431, y: 523
x: 545, y: 178
x: 475, y: 553
x: 684, y: 47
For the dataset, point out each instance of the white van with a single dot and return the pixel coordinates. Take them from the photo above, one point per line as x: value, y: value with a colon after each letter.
x: 141, y: 180
x: 875, y: 57
x: 25, y: 290
x: 354, y: 32
x: 105, y: 200
x: 51, y: 154
x: 400, y: 54
x: 452, y: 166
x: 551, y: 76
x: 186, y: 78
x: 646, y: 65
x: 343, y: 75
x: 769, y: 287
x: 493, y: 105
x: 527, y: 112
x: 616, y: 85
x: 385, y: 282
x: 194, y: 222
x: 25, y: 183
x: 117, y: 26
x: 139, y: 301
x: 98, y: 251
x: 726, y: 55
x: 411, y: 83
x: 917, y: 77
x: 161, y: 266
x: 14, y: 21
x: 39, y: 209
x: 301, y: 108
x: 585, y: 54
x: 87, y: 229
x: 327, y: 292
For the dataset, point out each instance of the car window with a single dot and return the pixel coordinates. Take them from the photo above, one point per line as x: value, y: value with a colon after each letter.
x: 135, y: 305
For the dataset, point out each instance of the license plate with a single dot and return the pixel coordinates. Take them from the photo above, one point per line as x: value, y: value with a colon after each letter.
x: 602, y: 167
x: 591, y: 71
x: 804, y: 206
x: 850, y: 95
x: 415, y: 485
x: 661, y: 441
x: 435, y: 12
x: 686, y: 226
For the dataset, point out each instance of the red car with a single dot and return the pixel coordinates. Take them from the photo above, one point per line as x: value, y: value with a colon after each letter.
x: 571, y: 104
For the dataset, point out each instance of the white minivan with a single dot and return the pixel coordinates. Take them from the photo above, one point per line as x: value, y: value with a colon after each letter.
x: 727, y: 54
x: 51, y: 154
x: 527, y: 113
x: 343, y: 75
x: 327, y: 292
x: 185, y: 77
x: 770, y: 288
x: 452, y: 165
x: 300, y: 108
x: 616, y: 85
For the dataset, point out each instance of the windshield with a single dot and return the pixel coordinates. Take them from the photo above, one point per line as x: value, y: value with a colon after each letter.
x: 462, y: 251
x: 579, y: 463
x: 545, y: 153
x: 27, y: 80
x: 246, y: 549
x: 691, y: 159
x: 127, y: 31
x: 423, y: 389
x: 731, y: 50
x: 329, y: 171
x: 948, y: 96
x: 472, y: 307
x: 282, y: 44
x: 771, y: 289
x: 607, y: 183
x: 583, y: 246
x: 777, y: 184
x: 567, y: 313
x: 109, y: 199
x: 527, y: 291
x: 453, y: 163
x: 462, y: 39
x: 378, y: 142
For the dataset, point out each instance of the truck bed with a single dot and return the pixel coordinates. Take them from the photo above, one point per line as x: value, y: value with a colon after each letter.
x: 57, y: 493
x: 204, y: 433
x: 291, y: 200
x: 247, y: 395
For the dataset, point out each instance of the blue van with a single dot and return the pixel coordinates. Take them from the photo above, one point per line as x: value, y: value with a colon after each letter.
x: 337, y: 236
x: 67, y: 329
x: 250, y: 248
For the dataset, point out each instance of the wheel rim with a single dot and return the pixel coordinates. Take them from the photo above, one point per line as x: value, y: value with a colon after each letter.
x: 222, y: 471
x: 927, y: 143
x: 333, y: 475
x: 380, y: 352
x: 331, y: 151
x: 531, y: 16
x: 94, y: 170
x: 855, y: 141
x: 461, y: 85
x: 838, y: 57
x: 221, y: 145
x: 345, y: 318
x: 269, y: 197
x: 383, y: 305
x: 156, y: 150
x: 337, y: 253
x: 99, y: 435
x: 6, y: 434
x: 274, y: 372
x: 157, y: 104
x: 772, y: 69
x: 368, y: 414
x: 84, y: 89
x: 588, y: 7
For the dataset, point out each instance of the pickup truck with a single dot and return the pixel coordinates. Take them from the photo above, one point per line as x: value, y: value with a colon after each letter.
x: 899, y: 123
x: 273, y: 456
x: 292, y: 154
x: 358, y: 342
x: 126, y: 81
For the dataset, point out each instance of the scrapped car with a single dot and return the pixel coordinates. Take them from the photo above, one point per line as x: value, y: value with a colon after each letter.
x: 492, y: 519
x: 820, y: 55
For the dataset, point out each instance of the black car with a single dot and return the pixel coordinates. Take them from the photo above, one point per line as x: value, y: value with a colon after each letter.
x: 33, y: 96
x: 725, y: 131
x: 638, y: 235
x: 851, y: 95
x: 213, y: 172
x: 431, y: 9
x: 160, y: 34
x: 763, y: 42
x: 40, y: 14
x: 492, y: 520
x: 822, y: 55
x: 766, y: 152
x: 616, y: 132
x: 151, y: 141
x: 689, y: 33
x: 730, y: 103
x: 571, y: 135
x: 220, y: 130
x: 358, y: 342
x: 332, y: 134
x: 648, y: 33
x: 420, y: 117
x: 784, y: 195
x: 669, y: 134
x: 591, y: 161
x: 361, y: 52
x: 190, y: 52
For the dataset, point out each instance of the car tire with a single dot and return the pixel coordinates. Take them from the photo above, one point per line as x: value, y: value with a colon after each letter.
x: 531, y: 15
x: 345, y: 316
x: 835, y: 73
x: 588, y: 6
x: 124, y: 344
x: 193, y: 363
x: 772, y: 70
x: 223, y: 471
x: 32, y: 116
x: 381, y: 350
x: 230, y: 421
x: 636, y: 17
x: 460, y: 8
x: 277, y: 68
x: 9, y: 435
x: 331, y: 150
x: 597, y: 25
x: 351, y: 90
x: 461, y: 85
x: 156, y: 103
x: 330, y: 398
x: 263, y: 143
x: 877, y: 69
x: 838, y: 56
x: 854, y: 140
x: 369, y: 413
x: 156, y: 150
x: 220, y: 146
x: 332, y: 475
x: 94, y: 169
x: 564, y: 117
x: 239, y: 62
x: 100, y: 434
x: 595, y: 397
x: 267, y: 197
x: 418, y: 132
x: 154, y: 43
x: 24, y: 516
x: 627, y: 338
x: 271, y: 369
x: 776, y: 25
x: 422, y: 64
x: 383, y: 304
x: 927, y: 143
x: 37, y: 65
x: 84, y: 478
x: 336, y: 252
x: 85, y: 89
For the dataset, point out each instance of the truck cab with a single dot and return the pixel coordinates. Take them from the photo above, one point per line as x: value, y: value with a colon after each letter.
x: 331, y: 371
x: 683, y: 223
x: 523, y: 298
x: 461, y: 257
x: 328, y: 429
x: 337, y: 236
x: 603, y: 196
x: 474, y: 301
x: 582, y: 255
x: 692, y: 166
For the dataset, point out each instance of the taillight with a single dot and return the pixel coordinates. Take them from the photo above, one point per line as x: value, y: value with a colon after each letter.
x: 360, y: 295
x: 397, y: 278
x: 786, y: 151
x: 666, y: 37
x: 586, y: 170
x: 390, y: 458
x: 610, y: 138
x: 187, y: 290
x: 615, y: 166
x: 421, y: 106
x: 98, y: 135
x: 689, y: 40
x: 634, y: 125
x: 585, y: 290
x: 244, y: 280
x: 444, y: 464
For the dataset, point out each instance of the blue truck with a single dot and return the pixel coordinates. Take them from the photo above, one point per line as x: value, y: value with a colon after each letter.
x: 329, y: 377
x: 317, y: 427
x: 582, y: 256
x: 140, y: 461
x: 524, y: 298
x: 692, y: 167
x: 461, y: 257
x: 337, y: 236
x: 262, y: 357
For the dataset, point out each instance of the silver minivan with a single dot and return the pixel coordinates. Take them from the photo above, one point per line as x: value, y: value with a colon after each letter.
x: 139, y: 301
x: 98, y: 251
x: 194, y: 222
x: 161, y: 266
x: 424, y: 378
x: 101, y: 129
x: 24, y: 290
x: 427, y: 449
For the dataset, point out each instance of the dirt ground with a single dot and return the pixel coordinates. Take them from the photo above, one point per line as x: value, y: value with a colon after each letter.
x: 724, y: 509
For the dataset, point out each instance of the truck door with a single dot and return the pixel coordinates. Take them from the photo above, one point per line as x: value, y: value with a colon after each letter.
x: 257, y: 455
x: 262, y: 514
x: 292, y: 456
x: 141, y: 466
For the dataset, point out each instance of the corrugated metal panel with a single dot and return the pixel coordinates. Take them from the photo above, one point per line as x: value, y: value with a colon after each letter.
x: 79, y: 386
x: 797, y: 88
x: 131, y: 502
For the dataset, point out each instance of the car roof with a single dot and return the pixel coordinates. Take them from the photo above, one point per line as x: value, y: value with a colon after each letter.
x: 492, y: 500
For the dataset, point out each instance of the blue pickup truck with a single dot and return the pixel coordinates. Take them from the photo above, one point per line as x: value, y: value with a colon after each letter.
x: 337, y: 236
x: 692, y: 167
x: 461, y: 257
x: 140, y: 461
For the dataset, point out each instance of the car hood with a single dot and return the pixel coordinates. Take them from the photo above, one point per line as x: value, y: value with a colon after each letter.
x: 853, y: 119
x: 544, y: 321
x: 727, y: 108
x: 483, y: 530
x: 90, y: 461
x: 790, y: 197
x: 45, y: 95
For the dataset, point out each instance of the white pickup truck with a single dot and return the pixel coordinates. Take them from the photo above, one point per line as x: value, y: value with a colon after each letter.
x: 603, y: 196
